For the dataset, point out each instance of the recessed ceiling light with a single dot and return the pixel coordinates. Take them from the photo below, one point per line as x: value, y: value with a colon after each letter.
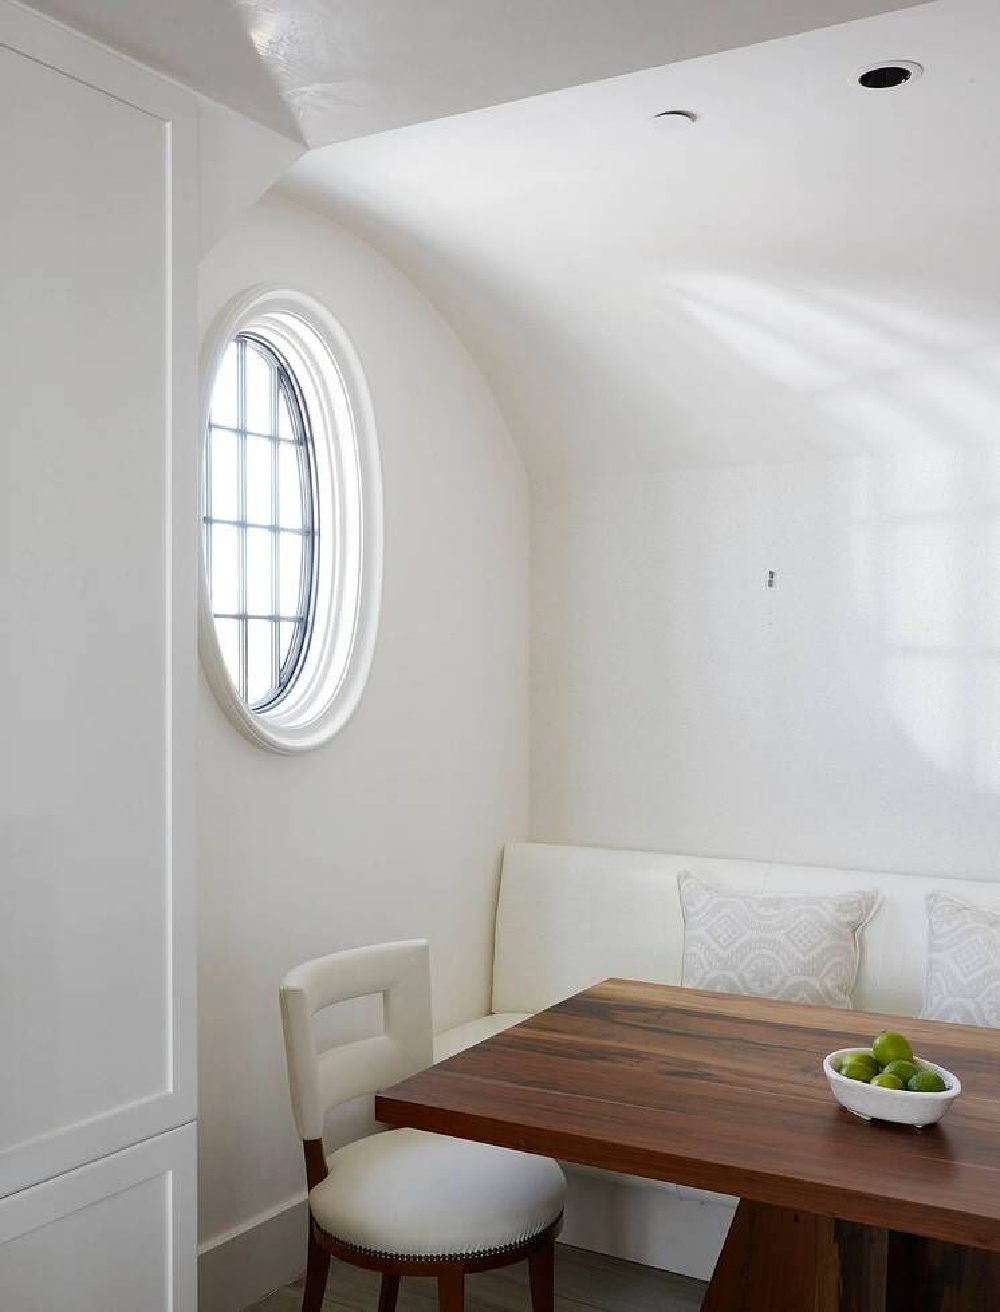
x: 893, y: 73
x: 675, y: 118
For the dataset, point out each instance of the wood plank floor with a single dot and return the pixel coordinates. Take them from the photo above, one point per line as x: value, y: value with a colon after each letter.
x: 585, y: 1282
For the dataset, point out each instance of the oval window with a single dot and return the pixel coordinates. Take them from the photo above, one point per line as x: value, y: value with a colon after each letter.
x: 291, y: 521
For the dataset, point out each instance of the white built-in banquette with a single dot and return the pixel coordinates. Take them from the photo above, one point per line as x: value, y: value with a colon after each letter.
x: 568, y: 917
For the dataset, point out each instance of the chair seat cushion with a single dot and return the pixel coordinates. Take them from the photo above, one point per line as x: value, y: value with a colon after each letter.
x: 410, y: 1194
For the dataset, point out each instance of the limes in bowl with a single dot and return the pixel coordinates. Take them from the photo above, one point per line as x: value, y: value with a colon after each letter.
x: 904, y: 1089
x: 889, y: 1064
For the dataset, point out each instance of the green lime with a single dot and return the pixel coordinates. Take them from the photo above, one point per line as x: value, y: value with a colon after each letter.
x: 887, y: 1081
x: 903, y: 1070
x: 890, y: 1046
x: 857, y: 1070
x: 927, y: 1082
x: 864, y: 1059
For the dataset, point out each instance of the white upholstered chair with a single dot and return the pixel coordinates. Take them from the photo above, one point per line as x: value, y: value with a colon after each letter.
x: 405, y: 1202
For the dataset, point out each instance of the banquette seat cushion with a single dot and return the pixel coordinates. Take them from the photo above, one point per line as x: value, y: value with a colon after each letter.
x: 446, y: 1197
x: 474, y: 1031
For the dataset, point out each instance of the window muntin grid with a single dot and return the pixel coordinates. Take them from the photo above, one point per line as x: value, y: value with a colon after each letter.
x: 260, y: 521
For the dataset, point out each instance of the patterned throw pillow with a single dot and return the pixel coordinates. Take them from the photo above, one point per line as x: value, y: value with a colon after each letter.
x: 962, y: 982
x: 801, y: 949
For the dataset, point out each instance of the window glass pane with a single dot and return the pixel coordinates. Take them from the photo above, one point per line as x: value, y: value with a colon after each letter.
x: 259, y: 457
x: 259, y: 566
x: 285, y: 428
x: 225, y: 568
x: 289, y: 487
x: 258, y: 398
x: 225, y: 391
x: 229, y: 642
x: 290, y: 573
x: 287, y: 633
x: 261, y: 472
x: 260, y: 659
x: 225, y: 475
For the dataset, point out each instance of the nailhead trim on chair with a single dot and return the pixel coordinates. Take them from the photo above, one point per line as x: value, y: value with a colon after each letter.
x: 382, y: 1255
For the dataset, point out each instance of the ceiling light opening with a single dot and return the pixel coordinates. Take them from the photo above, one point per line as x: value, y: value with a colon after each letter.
x: 884, y: 77
x: 675, y: 118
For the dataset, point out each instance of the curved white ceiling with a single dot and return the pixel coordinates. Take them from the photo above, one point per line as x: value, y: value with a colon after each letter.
x: 811, y: 268
x: 329, y: 70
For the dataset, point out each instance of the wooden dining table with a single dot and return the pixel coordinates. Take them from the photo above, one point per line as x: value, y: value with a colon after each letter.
x: 727, y: 1093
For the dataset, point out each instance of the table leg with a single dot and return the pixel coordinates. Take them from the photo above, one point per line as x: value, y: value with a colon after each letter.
x: 928, y: 1276
x: 779, y: 1260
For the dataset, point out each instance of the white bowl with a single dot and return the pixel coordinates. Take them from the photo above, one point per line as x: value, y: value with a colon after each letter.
x: 873, y: 1103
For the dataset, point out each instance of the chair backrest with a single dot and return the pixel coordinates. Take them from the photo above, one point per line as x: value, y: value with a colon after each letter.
x: 320, y: 1081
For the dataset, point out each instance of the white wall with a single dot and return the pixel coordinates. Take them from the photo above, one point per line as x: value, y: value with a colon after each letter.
x: 766, y: 341
x: 395, y: 828
x: 238, y: 160
x: 849, y: 716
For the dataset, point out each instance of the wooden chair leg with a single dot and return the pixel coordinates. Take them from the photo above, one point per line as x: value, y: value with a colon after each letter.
x: 388, y: 1294
x: 542, y: 1277
x: 317, y: 1270
x: 451, y: 1290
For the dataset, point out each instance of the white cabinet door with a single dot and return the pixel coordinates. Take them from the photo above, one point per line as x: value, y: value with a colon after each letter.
x: 112, y: 1237
x: 98, y: 529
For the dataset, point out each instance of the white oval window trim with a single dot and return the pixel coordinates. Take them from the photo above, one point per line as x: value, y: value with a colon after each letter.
x: 349, y: 511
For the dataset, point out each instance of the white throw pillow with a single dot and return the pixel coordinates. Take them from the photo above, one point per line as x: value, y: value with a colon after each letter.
x: 801, y: 949
x: 962, y: 981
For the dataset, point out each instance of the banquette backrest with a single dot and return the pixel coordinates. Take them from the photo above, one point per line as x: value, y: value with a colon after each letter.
x: 570, y: 916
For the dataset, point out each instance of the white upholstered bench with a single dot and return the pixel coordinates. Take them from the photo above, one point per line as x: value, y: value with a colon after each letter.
x: 568, y: 917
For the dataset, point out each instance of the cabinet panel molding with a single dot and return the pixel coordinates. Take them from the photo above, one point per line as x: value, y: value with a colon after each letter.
x: 98, y: 576
x: 115, y: 1236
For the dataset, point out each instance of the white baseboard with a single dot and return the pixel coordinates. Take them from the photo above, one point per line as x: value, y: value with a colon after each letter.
x: 636, y: 1220
x: 242, y: 1266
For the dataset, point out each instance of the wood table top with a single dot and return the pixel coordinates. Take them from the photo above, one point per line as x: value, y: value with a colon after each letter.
x: 726, y: 1093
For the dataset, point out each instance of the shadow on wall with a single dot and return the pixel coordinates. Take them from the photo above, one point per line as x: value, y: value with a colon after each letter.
x: 913, y: 398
